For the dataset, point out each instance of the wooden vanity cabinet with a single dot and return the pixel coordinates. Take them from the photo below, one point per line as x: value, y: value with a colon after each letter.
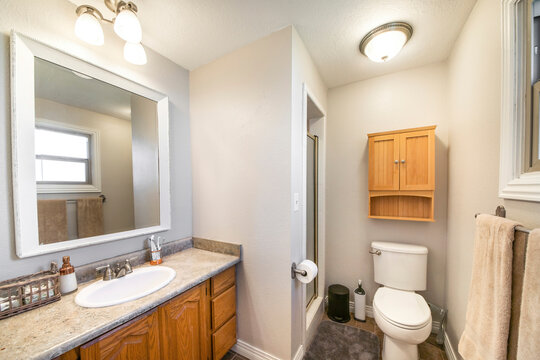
x: 183, y: 326
x: 137, y: 339
x: 198, y: 324
x: 223, y: 312
x: 401, y: 179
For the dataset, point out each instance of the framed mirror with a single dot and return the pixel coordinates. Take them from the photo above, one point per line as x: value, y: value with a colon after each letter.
x: 90, y: 152
x: 519, y: 171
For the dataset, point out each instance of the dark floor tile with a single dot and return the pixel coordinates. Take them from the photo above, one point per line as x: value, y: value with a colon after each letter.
x: 240, y: 357
x: 229, y: 356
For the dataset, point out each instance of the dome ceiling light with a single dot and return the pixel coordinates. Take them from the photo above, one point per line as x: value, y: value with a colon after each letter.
x: 125, y: 23
x: 386, y: 41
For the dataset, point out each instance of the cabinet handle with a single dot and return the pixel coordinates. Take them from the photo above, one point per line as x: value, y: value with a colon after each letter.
x: 403, y: 161
x: 395, y: 161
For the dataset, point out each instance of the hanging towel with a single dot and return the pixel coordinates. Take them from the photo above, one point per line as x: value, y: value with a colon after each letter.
x: 52, y: 221
x: 90, y: 217
x: 487, y: 321
x: 529, y: 323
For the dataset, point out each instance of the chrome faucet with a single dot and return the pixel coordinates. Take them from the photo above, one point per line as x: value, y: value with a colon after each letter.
x: 120, y: 271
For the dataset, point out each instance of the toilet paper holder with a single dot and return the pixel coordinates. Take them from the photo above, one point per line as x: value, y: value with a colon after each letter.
x: 295, y: 271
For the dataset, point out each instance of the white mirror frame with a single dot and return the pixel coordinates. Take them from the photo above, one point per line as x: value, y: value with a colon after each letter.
x: 23, y: 51
x: 514, y: 182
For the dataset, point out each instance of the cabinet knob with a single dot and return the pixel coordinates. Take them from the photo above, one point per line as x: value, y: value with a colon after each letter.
x: 395, y: 161
x: 403, y: 161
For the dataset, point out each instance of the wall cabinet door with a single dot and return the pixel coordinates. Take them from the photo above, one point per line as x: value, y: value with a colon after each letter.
x: 184, y: 326
x: 137, y: 339
x: 417, y: 160
x: 383, y: 162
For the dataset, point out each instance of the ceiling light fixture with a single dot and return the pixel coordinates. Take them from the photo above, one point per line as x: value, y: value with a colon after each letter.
x: 386, y: 41
x: 88, y: 26
x: 125, y: 23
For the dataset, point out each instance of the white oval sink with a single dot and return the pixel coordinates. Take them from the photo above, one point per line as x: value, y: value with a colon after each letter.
x: 139, y: 283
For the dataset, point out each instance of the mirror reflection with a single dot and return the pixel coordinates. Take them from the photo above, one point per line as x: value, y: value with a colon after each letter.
x: 96, y: 156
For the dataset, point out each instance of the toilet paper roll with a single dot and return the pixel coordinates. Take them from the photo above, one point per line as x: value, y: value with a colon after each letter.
x: 311, y: 269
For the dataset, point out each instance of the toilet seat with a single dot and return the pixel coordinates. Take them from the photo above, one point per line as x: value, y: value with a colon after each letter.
x: 403, y: 309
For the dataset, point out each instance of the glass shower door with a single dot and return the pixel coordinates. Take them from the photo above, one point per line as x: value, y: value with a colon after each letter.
x: 311, y: 211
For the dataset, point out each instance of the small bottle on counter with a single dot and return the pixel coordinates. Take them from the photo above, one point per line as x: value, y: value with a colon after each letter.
x: 68, y: 280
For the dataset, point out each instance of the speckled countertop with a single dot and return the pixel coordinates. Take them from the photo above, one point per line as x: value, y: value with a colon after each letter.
x: 51, y: 330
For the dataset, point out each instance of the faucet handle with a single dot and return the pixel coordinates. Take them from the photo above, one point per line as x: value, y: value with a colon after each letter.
x: 107, y: 274
x: 128, y: 267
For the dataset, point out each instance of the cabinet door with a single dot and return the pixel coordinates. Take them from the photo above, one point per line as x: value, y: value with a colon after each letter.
x: 383, y: 162
x: 417, y: 160
x: 137, y: 339
x: 183, y: 326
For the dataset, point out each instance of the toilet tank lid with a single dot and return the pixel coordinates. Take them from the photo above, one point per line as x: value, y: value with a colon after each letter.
x: 400, y: 248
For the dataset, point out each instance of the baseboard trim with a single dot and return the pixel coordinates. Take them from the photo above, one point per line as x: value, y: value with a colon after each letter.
x: 449, y: 349
x: 253, y: 353
x: 300, y: 353
x: 435, y: 325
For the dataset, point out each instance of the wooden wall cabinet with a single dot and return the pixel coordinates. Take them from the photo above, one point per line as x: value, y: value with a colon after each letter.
x: 198, y: 324
x: 402, y: 174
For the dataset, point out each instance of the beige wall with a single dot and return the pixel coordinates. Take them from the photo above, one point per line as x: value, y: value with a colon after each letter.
x: 145, y: 161
x: 401, y: 100
x: 241, y: 134
x: 304, y: 73
x: 52, y: 22
x: 116, y: 170
x: 475, y: 102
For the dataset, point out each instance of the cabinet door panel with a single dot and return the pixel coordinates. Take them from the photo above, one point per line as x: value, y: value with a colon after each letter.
x: 183, y: 326
x: 383, y: 169
x: 137, y: 339
x: 417, y: 160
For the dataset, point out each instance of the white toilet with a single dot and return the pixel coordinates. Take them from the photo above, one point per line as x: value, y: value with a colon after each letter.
x: 403, y: 316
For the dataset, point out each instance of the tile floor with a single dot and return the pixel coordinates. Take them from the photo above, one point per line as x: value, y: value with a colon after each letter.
x: 429, y: 350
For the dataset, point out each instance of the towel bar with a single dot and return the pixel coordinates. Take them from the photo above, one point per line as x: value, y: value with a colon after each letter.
x: 501, y: 211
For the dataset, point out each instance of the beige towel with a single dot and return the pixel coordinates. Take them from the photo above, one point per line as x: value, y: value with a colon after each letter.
x: 487, y: 321
x: 90, y: 217
x: 52, y: 221
x: 529, y: 324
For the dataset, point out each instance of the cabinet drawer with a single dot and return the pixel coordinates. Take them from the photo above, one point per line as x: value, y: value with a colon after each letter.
x: 223, y: 307
x: 222, y: 281
x: 224, y: 339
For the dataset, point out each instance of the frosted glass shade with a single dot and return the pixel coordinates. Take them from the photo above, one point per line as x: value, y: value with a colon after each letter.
x: 88, y: 29
x: 134, y: 53
x: 128, y: 27
x: 385, y: 46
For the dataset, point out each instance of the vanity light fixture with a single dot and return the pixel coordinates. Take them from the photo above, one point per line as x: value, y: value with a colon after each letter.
x: 125, y: 23
x: 386, y: 41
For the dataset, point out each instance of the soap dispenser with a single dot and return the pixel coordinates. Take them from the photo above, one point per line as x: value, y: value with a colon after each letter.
x: 68, y: 280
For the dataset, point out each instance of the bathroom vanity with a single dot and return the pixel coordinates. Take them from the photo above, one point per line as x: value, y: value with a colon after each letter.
x: 193, y: 317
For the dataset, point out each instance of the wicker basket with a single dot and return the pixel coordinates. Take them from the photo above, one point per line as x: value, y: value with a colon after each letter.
x: 29, y: 292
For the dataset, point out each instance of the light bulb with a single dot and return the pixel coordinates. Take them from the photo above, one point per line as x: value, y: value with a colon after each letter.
x: 134, y: 53
x: 88, y: 28
x: 127, y: 26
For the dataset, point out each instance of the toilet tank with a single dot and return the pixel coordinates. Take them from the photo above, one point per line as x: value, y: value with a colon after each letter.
x: 400, y: 266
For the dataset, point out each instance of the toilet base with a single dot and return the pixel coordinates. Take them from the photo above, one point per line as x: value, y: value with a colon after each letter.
x: 398, y: 350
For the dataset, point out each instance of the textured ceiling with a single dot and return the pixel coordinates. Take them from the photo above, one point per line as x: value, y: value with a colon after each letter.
x: 195, y: 32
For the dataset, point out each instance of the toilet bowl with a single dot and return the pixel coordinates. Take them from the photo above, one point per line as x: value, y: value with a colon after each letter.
x: 403, y: 315
x: 405, y: 319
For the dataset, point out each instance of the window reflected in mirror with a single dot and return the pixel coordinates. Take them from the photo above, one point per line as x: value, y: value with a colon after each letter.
x: 93, y: 141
